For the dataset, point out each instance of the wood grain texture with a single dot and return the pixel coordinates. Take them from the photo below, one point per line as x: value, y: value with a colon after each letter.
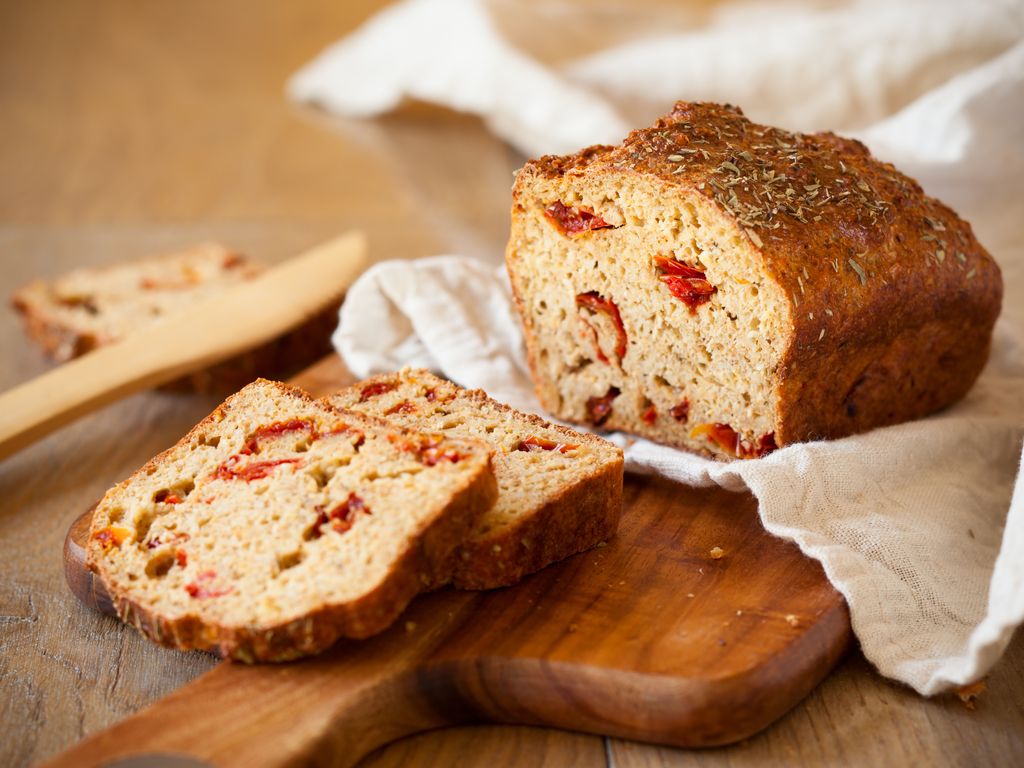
x: 136, y: 126
x: 487, y: 746
x: 651, y: 637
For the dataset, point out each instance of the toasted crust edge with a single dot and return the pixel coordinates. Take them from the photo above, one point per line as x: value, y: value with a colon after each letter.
x: 582, y: 516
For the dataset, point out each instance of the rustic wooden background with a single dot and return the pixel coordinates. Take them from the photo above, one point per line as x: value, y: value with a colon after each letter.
x: 131, y: 126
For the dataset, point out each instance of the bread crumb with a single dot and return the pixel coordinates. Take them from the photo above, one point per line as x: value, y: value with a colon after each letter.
x: 410, y: 626
x: 690, y: 595
x: 716, y: 553
x: 969, y: 693
x: 739, y: 613
x: 601, y: 544
x: 792, y: 620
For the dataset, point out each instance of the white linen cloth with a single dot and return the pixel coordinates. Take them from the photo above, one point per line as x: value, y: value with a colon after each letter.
x: 921, y: 525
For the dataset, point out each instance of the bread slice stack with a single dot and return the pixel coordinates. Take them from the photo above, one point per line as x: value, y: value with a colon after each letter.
x: 280, y: 524
x: 92, y: 307
x: 559, y: 491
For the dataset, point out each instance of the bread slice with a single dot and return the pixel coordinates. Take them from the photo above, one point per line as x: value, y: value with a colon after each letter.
x: 727, y: 287
x: 92, y: 307
x: 560, y: 491
x: 280, y: 524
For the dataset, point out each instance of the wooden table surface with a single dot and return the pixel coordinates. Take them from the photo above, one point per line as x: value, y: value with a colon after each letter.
x: 131, y: 126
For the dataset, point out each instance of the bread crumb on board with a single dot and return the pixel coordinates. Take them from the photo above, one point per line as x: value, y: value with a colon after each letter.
x: 969, y: 694
x: 717, y: 553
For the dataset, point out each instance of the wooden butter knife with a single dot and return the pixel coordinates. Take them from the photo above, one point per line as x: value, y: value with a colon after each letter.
x: 212, y: 330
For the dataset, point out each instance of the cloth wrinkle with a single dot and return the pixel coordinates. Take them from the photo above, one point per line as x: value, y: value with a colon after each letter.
x: 921, y: 525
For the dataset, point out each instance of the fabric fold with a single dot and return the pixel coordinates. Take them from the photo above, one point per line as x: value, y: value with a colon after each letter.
x: 920, y: 525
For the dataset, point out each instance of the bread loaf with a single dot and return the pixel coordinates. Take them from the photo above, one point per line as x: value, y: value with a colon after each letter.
x: 92, y: 307
x: 559, y: 491
x: 727, y: 287
x: 280, y: 524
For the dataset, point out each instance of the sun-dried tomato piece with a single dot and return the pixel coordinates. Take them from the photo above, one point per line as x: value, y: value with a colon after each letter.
x: 435, y: 454
x: 649, y: 415
x: 189, y: 277
x: 181, y: 557
x: 686, y: 283
x: 405, y: 406
x: 377, y: 388
x: 112, y: 536
x: 599, y: 408
x: 203, y: 587
x: 254, y: 470
x: 166, y: 497
x: 428, y: 450
x: 343, y: 516
x: 681, y: 412
x: 719, y: 433
x: 534, y: 443
x: 595, y: 302
x: 766, y: 444
x: 277, y: 429
x: 430, y: 395
x: 728, y: 439
x: 574, y: 221
x: 232, y: 261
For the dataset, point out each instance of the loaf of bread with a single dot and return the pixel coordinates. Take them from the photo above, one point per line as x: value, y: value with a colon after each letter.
x: 727, y: 287
x: 91, y: 307
x: 280, y: 524
x: 559, y: 491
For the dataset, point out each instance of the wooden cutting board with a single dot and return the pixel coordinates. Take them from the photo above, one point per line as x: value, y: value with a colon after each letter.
x: 651, y: 637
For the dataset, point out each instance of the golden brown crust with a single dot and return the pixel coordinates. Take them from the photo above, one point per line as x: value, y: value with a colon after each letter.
x: 580, y: 517
x: 424, y: 563
x: 892, y: 298
x: 58, y: 341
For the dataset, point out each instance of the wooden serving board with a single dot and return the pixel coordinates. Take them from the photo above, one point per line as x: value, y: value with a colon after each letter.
x: 650, y: 637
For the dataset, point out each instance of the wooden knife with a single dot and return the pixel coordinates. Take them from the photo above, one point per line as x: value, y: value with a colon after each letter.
x: 212, y: 330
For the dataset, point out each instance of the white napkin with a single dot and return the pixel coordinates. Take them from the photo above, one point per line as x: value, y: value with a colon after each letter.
x: 920, y: 526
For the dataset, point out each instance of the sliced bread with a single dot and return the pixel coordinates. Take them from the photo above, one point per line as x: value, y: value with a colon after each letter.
x: 280, y: 524
x: 560, y: 491
x: 91, y: 307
